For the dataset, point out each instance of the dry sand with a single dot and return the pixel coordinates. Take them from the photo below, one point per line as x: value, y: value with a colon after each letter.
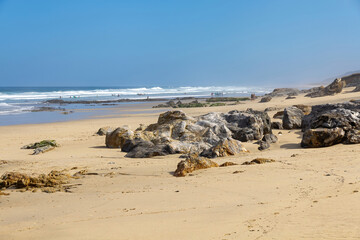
x: 310, y: 195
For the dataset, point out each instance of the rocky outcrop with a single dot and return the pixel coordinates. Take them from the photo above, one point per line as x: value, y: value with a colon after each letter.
x: 212, y: 135
x: 306, y: 109
x: 279, y: 115
x: 357, y: 89
x: 334, y: 88
x: 41, y: 147
x: 331, y: 124
x: 193, y: 163
x: 292, y: 118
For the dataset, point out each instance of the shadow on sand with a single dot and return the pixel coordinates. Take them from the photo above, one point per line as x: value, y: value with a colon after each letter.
x: 291, y: 146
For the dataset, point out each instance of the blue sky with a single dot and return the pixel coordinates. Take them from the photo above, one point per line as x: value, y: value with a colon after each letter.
x: 177, y: 43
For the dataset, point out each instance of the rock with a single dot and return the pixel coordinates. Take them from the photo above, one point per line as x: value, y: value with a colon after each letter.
x: 226, y: 164
x: 193, y: 163
x: 279, y: 92
x: 352, y: 80
x: 357, y: 89
x: 3, y: 162
x: 259, y: 161
x: 265, y: 99
x: 41, y: 147
x: 335, y: 87
x: 225, y: 147
x: 171, y: 116
x: 248, y: 125
x: 263, y: 145
x: 54, y: 180
x: 290, y: 97
x: 276, y: 125
x: 266, y: 141
x: 145, y: 149
x: 117, y: 138
x: 353, y: 136
x: 279, y: 115
x: 306, y: 109
x: 292, y: 118
x: 270, y: 138
x: 178, y: 130
x: 269, y: 109
x: 322, y: 137
x: 102, y: 131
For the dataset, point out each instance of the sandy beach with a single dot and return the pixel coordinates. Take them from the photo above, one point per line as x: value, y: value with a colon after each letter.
x: 304, y: 194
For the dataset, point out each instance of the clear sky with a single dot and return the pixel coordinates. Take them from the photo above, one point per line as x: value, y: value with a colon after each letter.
x: 177, y: 42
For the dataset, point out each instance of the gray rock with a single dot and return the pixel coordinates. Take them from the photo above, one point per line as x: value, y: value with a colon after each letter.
x: 292, y: 118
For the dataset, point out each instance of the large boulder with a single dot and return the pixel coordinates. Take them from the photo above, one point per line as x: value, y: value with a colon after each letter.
x: 117, y: 138
x: 334, y: 88
x: 330, y: 124
x: 292, y: 118
x: 192, y: 163
x: 322, y: 137
x: 225, y: 147
x: 248, y: 125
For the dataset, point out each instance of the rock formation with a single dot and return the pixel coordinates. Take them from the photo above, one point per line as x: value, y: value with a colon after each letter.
x: 212, y: 134
x: 330, y: 124
x: 335, y: 87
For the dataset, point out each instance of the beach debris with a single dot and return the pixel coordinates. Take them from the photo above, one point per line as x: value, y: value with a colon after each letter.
x: 193, y: 163
x: 102, y: 131
x: 42, y: 146
x: 292, y: 118
x: 259, y: 161
x: 226, y: 164
x: 52, y: 182
x: 238, y: 171
x: 333, y: 88
x: 265, y: 99
x: 330, y: 124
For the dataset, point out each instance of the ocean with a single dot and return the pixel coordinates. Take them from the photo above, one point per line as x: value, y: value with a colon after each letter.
x: 17, y: 103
